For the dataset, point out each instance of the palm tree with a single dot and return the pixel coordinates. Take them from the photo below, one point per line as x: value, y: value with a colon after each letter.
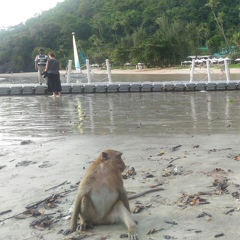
x: 219, y: 20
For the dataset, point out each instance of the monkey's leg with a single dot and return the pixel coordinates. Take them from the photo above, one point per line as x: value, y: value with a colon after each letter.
x: 87, y: 214
x: 120, y: 213
x: 84, y: 208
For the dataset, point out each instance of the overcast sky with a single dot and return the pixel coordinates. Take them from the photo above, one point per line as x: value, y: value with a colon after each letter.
x: 14, y: 12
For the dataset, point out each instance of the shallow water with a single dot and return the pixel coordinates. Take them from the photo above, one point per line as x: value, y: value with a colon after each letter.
x: 164, y: 77
x: 31, y: 78
x: 132, y: 114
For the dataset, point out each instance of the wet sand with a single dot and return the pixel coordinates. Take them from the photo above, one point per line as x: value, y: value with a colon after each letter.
x: 185, y: 143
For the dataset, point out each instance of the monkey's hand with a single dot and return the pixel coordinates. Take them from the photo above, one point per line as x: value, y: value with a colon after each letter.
x: 132, y: 236
x: 132, y: 233
x: 85, y: 227
x: 68, y: 231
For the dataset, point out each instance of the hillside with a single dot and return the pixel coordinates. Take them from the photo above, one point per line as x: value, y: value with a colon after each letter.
x: 157, y: 32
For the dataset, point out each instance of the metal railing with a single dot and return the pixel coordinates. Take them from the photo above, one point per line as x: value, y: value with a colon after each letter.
x: 88, y: 75
x: 208, y: 61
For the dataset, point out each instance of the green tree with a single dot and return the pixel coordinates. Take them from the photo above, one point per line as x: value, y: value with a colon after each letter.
x: 236, y: 39
x: 214, y: 44
x: 157, y: 32
x: 213, y: 4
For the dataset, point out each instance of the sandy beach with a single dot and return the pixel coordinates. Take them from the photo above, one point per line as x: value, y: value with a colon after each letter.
x: 153, y: 71
x: 200, y: 179
x: 171, y: 71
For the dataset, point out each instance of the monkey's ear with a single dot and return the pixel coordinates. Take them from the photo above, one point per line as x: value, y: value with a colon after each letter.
x: 119, y: 154
x: 104, y: 156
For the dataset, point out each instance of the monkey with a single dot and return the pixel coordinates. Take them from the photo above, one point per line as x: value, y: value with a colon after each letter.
x: 102, y: 198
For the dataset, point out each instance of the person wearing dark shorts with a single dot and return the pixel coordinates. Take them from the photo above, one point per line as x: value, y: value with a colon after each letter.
x: 52, y: 69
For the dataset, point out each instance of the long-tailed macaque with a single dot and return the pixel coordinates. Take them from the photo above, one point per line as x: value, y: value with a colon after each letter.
x: 101, y: 197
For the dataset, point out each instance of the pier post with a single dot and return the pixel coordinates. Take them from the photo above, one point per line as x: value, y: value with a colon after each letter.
x: 69, y: 71
x: 192, y: 70
x: 88, y: 71
x: 208, y: 70
x: 227, y: 69
x: 109, y: 71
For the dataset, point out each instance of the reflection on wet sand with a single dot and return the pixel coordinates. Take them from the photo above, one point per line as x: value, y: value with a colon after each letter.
x: 80, y: 116
x: 193, y: 111
x: 209, y: 111
x: 143, y: 114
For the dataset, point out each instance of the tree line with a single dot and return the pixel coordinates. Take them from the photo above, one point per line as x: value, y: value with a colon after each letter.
x: 156, y: 32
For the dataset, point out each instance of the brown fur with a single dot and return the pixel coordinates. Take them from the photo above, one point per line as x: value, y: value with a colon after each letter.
x: 102, y: 198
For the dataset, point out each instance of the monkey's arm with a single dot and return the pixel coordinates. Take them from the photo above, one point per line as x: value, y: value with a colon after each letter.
x: 84, y: 189
x: 76, y: 211
x: 74, y: 218
x: 124, y: 198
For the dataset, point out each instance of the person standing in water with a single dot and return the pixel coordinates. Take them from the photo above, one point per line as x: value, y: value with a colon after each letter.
x: 40, y: 65
x: 52, y: 68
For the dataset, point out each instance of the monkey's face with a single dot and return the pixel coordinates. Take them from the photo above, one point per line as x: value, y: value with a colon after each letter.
x: 121, y: 164
x: 114, y: 156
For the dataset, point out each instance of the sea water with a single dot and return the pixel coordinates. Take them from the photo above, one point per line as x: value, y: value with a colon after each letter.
x: 28, y: 79
x: 133, y: 114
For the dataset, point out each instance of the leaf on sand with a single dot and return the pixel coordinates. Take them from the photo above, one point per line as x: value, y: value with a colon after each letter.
x: 161, y: 153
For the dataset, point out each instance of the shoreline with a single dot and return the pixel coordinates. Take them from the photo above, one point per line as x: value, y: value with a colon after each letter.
x: 147, y: 71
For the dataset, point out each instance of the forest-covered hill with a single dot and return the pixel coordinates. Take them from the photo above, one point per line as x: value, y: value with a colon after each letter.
x: 156, y: 32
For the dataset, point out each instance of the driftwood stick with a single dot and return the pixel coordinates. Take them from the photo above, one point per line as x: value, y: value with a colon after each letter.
x: 10, y: 217
x: 174, y: 160
x: 34, y: 205
x: 7, y: 218
x: 176, y: 147
x: 145, y: 192
x: 56, y: 186
x: 4, y: 212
